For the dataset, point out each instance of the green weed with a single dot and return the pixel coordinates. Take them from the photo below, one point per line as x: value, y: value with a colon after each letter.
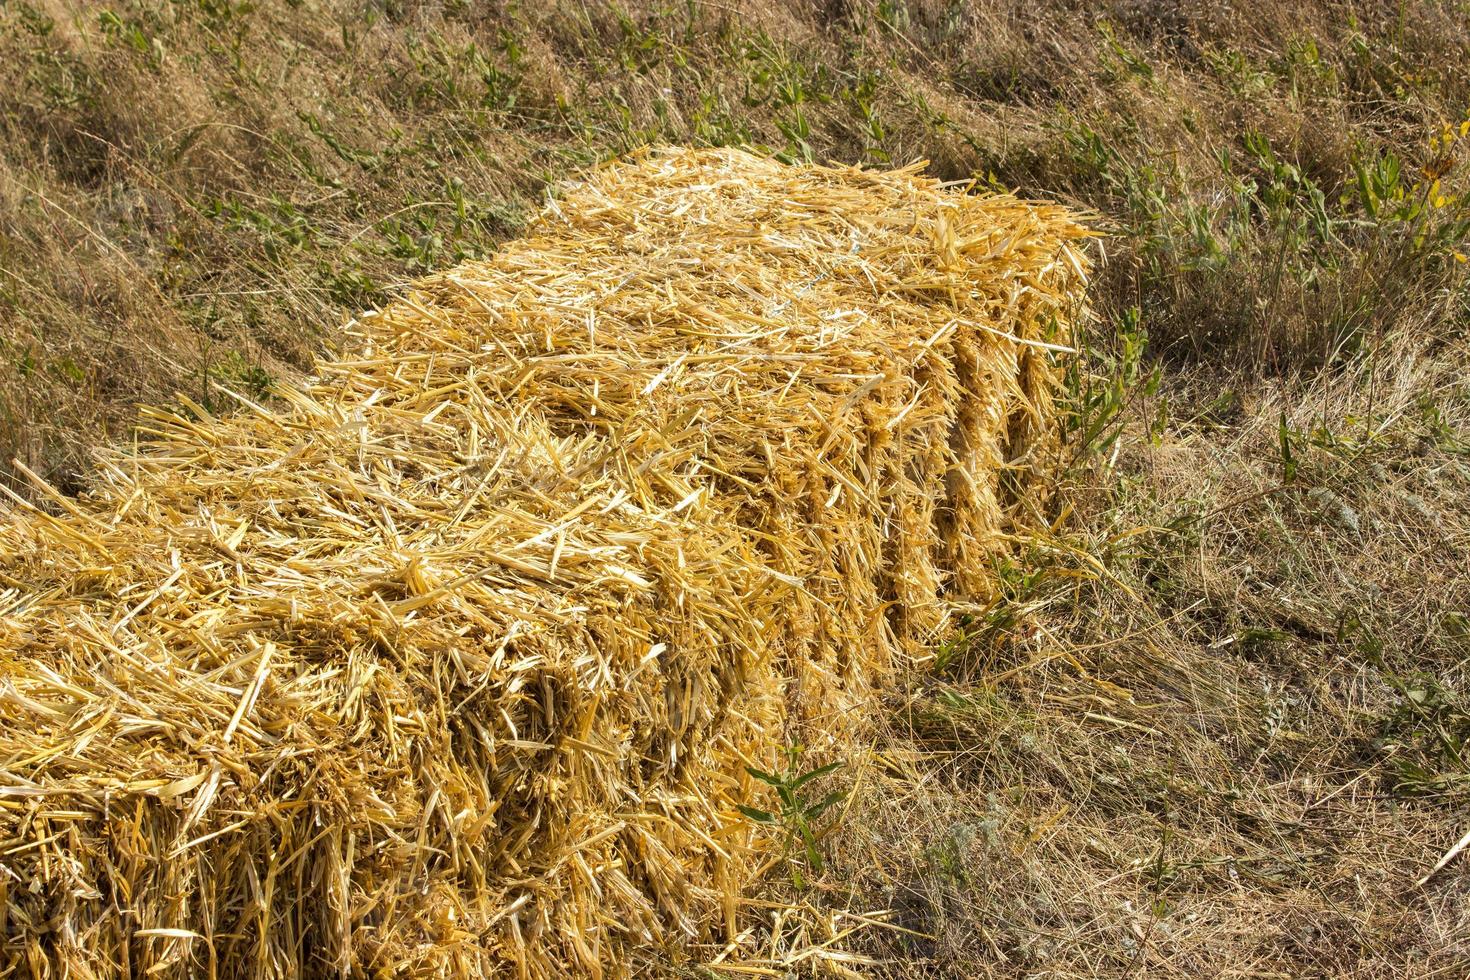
x: 1426, y: 739
x: 1100, y: 384
x: 798, y: 819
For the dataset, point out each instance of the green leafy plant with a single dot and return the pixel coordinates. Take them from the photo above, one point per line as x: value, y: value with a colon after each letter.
x: 1426, y: 738
x: 1130, y: 62
x: 1098, y: 392
x: 798, y: 819
x: 1287, y: 439
x: 956, y: 644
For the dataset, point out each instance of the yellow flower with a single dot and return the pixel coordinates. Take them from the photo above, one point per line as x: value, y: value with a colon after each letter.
x: 1465, y: 128
x: 1461, y: 257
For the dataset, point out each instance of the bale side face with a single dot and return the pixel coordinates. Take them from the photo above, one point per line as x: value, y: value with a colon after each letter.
x: 453, y: 661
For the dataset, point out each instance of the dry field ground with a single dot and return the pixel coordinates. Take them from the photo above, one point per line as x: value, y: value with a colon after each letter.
x: 1219, y: 725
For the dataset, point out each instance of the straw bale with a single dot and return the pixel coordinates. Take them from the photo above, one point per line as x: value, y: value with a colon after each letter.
x: 450, y: 663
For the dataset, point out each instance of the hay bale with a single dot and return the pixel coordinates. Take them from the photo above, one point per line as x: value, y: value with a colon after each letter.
x: 452, y: 662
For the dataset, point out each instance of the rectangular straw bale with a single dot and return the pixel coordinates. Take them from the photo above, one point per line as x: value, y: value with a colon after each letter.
x: 451, y: 662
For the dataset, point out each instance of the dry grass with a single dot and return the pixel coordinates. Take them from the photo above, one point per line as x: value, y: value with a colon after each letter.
x: 1212, y: 745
